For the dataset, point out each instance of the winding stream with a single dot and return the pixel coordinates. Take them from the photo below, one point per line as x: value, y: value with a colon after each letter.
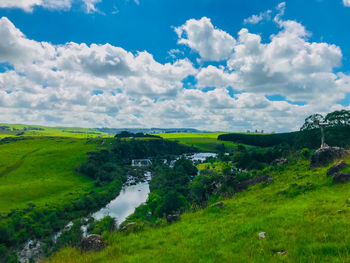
x: 124, y: 205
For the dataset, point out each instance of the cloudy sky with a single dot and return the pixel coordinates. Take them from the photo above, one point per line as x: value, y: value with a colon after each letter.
x: 228, y: 65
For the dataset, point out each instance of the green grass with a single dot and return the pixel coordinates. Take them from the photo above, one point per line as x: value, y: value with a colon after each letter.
x: 203, y: 141
x: 311, y: 223
x: 41, y: 171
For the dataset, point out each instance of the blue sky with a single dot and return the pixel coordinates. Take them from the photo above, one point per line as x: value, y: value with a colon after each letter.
x: 217, y: 93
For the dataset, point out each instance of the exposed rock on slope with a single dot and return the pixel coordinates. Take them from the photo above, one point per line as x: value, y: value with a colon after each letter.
x: 336, y: 168
x: 92, y: 243
x: 326, y: 155
x: 341, y: 178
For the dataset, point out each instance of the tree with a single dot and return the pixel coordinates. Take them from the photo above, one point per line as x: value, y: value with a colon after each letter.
x: 312, y: 122
x: 338, y: 118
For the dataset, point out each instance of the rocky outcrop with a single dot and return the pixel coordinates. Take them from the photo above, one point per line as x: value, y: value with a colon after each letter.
x: 326, y: 155
x: 92, y: 243
x: 336, y: 168
x: 341, y: 178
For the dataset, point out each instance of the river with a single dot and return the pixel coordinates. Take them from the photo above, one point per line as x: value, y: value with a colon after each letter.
x: 124, y: 205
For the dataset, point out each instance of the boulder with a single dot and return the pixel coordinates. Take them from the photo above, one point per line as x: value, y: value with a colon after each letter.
x: 92, y: 243
x: 172, y: 218
x: 341, y: 178
x: 326, y: 155
x: 336, y: 168
x: 262, y: 235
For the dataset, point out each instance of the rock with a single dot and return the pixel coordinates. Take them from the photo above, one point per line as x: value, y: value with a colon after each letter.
x: 92, y: 243
x: 32, y: 251
x: 336, y: 168
x: 172, y: 218
x: 262, y: 235
x: 218, y: 204
x: 281, y: 161
x: 282, y: 253
x: 128, y: 226
x: 341, y: 178
x: 326, y: 155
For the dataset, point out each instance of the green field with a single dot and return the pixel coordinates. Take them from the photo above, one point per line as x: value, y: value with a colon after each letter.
x: 41, y: 171
x: 206, y: 142
x: 72, y: 132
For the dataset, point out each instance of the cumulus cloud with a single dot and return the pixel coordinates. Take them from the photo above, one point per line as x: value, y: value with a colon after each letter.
x: 346, y: 2
x: 211, y: 43
x: 29, y: 5
x: 104, y: 85
x: 255, y: 19
x: 288, y: 65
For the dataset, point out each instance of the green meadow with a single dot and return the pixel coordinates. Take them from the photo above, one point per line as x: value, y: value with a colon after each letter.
x: 305, y: 217
x: 206, y: 142
x: 41, y: 171
x: 71, y: 132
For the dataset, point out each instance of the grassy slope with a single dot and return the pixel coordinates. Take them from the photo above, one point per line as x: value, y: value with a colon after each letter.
x: 41, y: 171
x: 203, y: 141
x: 311, y: 224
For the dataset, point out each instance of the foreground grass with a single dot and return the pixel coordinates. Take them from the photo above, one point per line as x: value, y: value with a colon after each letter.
x: 41, y: 171
x: 203, y: 141
x: 309, y: 221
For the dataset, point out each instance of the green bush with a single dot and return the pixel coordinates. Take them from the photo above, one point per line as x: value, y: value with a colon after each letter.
x: 106, y: 224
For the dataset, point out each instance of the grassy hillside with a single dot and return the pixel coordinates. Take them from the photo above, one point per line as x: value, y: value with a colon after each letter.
x: 203, y: 141
x: 302, y: 213
x: 41, y: 171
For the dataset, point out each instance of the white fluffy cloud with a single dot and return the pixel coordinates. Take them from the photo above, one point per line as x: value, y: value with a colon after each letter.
x: 255, y: 19
x: 346, y: 2
x: 211, y: 43
x: 103, y: 85
x: 288, y: 65
x: 29, y: 5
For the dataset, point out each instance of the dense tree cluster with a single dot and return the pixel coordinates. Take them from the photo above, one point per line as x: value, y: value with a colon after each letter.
x: 334, y: 119
x: 336, y: 128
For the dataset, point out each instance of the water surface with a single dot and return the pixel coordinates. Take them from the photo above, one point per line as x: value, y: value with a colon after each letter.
x: 124, y: 205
